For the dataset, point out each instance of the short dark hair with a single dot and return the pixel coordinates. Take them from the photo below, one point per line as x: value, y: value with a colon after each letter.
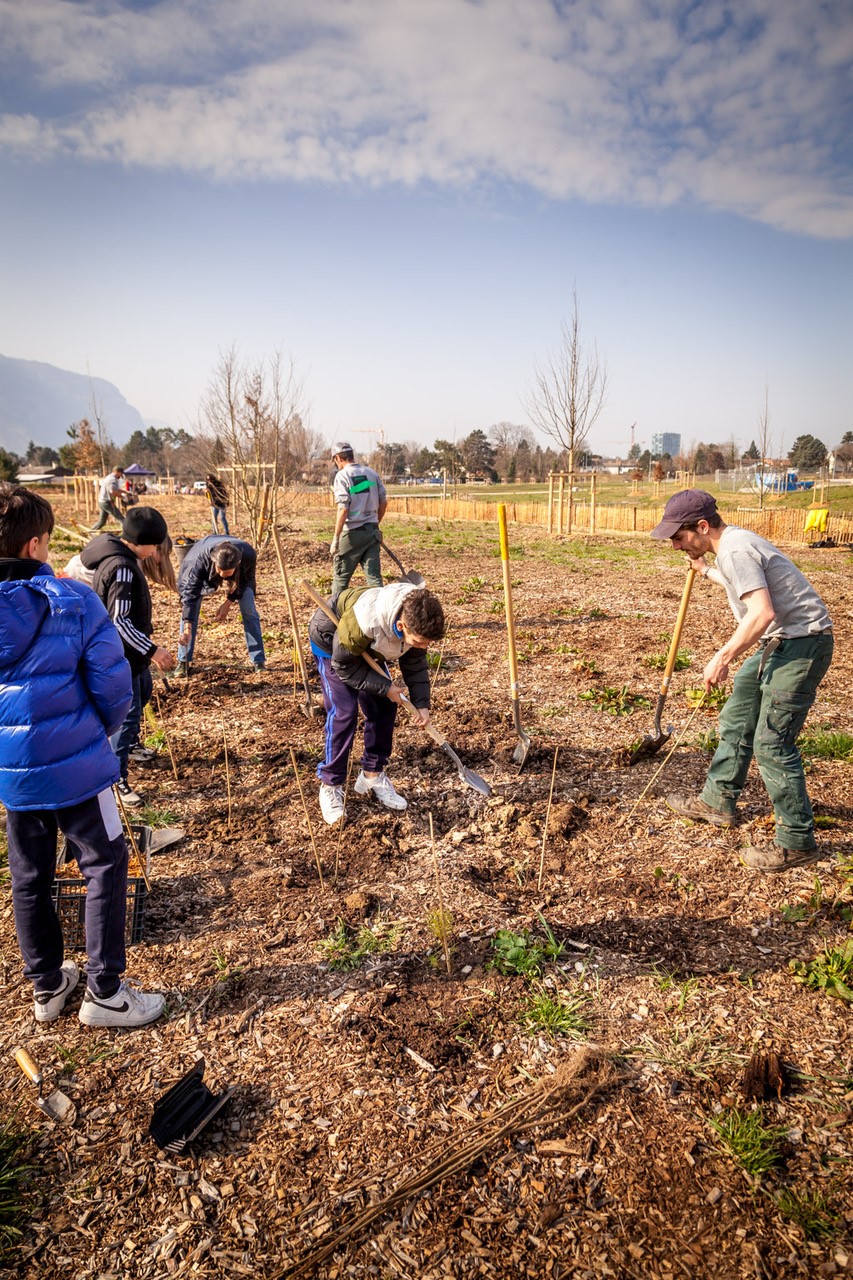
x: 23, y: 515
x: 226, y: 555
x: 423, y: 614
x: 713, y: 521
x: 346, y: 454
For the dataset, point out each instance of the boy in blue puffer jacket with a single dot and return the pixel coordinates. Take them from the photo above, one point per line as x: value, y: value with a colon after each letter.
x: 64, y: 686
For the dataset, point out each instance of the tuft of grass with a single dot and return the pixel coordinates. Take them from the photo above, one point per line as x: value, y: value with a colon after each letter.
x: 667, y: 981
x: 556, y: 1015
x: 831, y: 972
x: 15, y: 1172
x: 470, y: 588
x: 826, y: 744
x: 346, y: 948
x: 617, y: 702
x: 157, y: 817
x: 812, y: 1211
x: 756, y: 1146
x: 657, y: 661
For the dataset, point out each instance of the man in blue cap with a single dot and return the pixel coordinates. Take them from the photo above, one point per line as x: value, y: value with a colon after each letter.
x: 778, y: 609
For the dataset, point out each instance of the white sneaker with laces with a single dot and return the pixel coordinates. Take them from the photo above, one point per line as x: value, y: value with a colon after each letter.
x: 332, y: 803
x: 383, y: 788
x: 49, y: 1004
x: 127, y: 793
x: 127, y: 1008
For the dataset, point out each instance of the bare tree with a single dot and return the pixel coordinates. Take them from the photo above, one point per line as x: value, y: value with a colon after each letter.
x: 568, y: 391
x: 250, y: 417
x: 765, y: 446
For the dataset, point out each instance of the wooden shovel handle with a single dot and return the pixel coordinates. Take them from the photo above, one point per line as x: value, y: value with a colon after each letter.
x: 510, y: 617
x: 28, y: 1067
x: 676, y: 633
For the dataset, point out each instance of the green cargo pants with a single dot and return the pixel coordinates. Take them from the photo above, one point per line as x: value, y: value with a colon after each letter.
x: 357, y: 547
x: 763, y: 717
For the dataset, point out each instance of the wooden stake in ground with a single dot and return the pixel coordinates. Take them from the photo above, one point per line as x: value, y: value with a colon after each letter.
x: 343, y: 819
x: 308, y: 706
x: 162, y: 720
x: 132, y: 838
x: 441, y: 914
x: 307, y: 818
x: 227, y: 773
x: 547, y: 816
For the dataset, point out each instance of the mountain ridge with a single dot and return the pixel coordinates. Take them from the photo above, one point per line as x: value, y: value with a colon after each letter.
x: 40, y: 401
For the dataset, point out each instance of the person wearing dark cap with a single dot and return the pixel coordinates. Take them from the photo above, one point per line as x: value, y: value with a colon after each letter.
x: 122, y: 586
x: 776, y: 608
x: 361, y: 501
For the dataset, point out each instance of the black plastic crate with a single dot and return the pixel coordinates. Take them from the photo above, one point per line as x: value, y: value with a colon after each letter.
x: 69, y: 898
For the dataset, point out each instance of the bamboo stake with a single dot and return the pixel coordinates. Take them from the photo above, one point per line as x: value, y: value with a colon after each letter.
x: 438, y: 664
x: 699, y: 705
x: 307, y: 818
x: 441, y: 914
x: 227, y: 772
x: 547, y: 816
x: 134, y: 846
x: 162, y: 720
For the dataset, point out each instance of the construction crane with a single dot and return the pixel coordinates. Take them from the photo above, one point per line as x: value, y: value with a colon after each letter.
x: 378, y: 432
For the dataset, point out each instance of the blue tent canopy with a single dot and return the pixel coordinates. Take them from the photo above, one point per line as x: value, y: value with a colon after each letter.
x: 135, y: 470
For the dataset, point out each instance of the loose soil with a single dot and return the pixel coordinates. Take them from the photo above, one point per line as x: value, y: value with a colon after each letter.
x: 348, y: 1083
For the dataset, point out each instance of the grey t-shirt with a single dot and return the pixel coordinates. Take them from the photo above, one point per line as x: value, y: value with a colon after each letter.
x: 360, y: 490
x: 748, y: 562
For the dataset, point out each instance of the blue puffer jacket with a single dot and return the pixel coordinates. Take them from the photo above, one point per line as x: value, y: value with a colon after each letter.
x: 64, y: 686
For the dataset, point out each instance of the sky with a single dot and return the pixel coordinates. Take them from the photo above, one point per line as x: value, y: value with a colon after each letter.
x: 404, y: 196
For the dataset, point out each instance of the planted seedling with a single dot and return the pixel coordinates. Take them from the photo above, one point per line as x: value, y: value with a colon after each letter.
x: 712, y: 699
x: 522, y: 954
x: 470, y: 588
x: 617, y: 702
x: 657, y: 661
x: 755, y: 1145
x: 667, y: 981
x: 440, y: 925
x: 346, y: 948
x: 812, y: 1211
x: 831, y: 972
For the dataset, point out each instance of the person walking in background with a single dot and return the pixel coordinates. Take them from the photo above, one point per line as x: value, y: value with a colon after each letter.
x: 396, y: 622
x: 777, y: 608
x: 122, y: 586
x: 361, y: 501
x: 210, y: 563
x: 218, y: 496
x: 108, y: 498
x: 64, y: 678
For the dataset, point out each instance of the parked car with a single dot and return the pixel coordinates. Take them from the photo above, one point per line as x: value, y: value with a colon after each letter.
x: 199, y: 486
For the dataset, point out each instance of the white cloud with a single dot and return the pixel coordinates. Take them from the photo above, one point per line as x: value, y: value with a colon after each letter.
x: 622, y: 101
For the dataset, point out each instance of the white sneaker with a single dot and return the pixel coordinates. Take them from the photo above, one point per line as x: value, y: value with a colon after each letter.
x: 127, y: 1008
x: 383, y: 788
x: 332, y: 803
x: 128, y: 796
x: 49, y: 1004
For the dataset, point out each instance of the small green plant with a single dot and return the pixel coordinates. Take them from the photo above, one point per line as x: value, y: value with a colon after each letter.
x: 157, y: 817
x: 224, y: 970
x: 155, y: 741
x: 708, y: 741
x: 556, y: 1015
x: 565, y: 648
x: 617, y: 702
x: 711, y: 701
x: 440, y: 925
x: 755, y: 1145
x: 346, y: 948
x: 827, y: 744
x: 667, y: 981
x: 14, y: 1174
x: 596, y: 613
x: 470, y: 588
x: 812, y: 1211
x: 831, y: 972
x: 434, y: 660
x: 586, y: 666
x: 495, y: 606
x: 522, y: 954
x: 657, y: 661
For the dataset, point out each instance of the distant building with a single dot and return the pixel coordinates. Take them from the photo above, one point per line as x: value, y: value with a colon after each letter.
x: 666, y: 442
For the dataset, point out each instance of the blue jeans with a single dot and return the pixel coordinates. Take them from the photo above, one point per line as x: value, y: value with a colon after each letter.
x: 251, y: 628
x: 93, y: 831
x: 128, y: 735
x: 217, y: 514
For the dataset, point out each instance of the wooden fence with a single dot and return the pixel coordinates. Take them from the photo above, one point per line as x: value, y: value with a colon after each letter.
x: 776, y: 524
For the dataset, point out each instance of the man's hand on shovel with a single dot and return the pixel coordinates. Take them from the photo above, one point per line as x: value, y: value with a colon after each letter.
x: 398, y: 695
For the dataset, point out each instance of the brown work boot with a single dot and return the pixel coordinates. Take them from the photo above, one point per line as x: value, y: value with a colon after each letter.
x: 695, y: 808
x: 774, y: 858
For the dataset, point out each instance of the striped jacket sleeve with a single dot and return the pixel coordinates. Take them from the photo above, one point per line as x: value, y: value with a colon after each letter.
x: 119, y: 600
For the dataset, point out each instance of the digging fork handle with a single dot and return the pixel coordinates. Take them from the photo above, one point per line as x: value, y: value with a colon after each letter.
x: 673, y: 648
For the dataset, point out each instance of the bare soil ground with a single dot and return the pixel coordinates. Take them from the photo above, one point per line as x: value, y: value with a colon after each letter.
x: 349, y: 1083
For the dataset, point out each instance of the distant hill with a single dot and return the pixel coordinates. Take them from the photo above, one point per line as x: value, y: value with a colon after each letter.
x: 39, y: 402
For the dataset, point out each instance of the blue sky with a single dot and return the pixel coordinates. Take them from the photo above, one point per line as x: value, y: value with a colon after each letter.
x: 402, y: 196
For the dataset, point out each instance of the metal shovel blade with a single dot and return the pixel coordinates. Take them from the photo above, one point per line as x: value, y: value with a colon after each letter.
x: 522, y: 750
x: 468, y: 776
x: 410, y: 575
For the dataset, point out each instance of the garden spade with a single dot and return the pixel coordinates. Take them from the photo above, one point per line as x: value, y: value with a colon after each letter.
x: 650, y: 745
x: 307, y: 707
x: 523, y: 749
x: 412, y: 575
x: 468, y: 776
x: 57, y: 1105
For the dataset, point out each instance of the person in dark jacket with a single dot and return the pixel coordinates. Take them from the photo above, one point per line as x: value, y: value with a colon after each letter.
x: 396, y: 622
x: 218, y: 497
x: 210, y: 563
x: 122, y: 586
x: 64, y: 685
